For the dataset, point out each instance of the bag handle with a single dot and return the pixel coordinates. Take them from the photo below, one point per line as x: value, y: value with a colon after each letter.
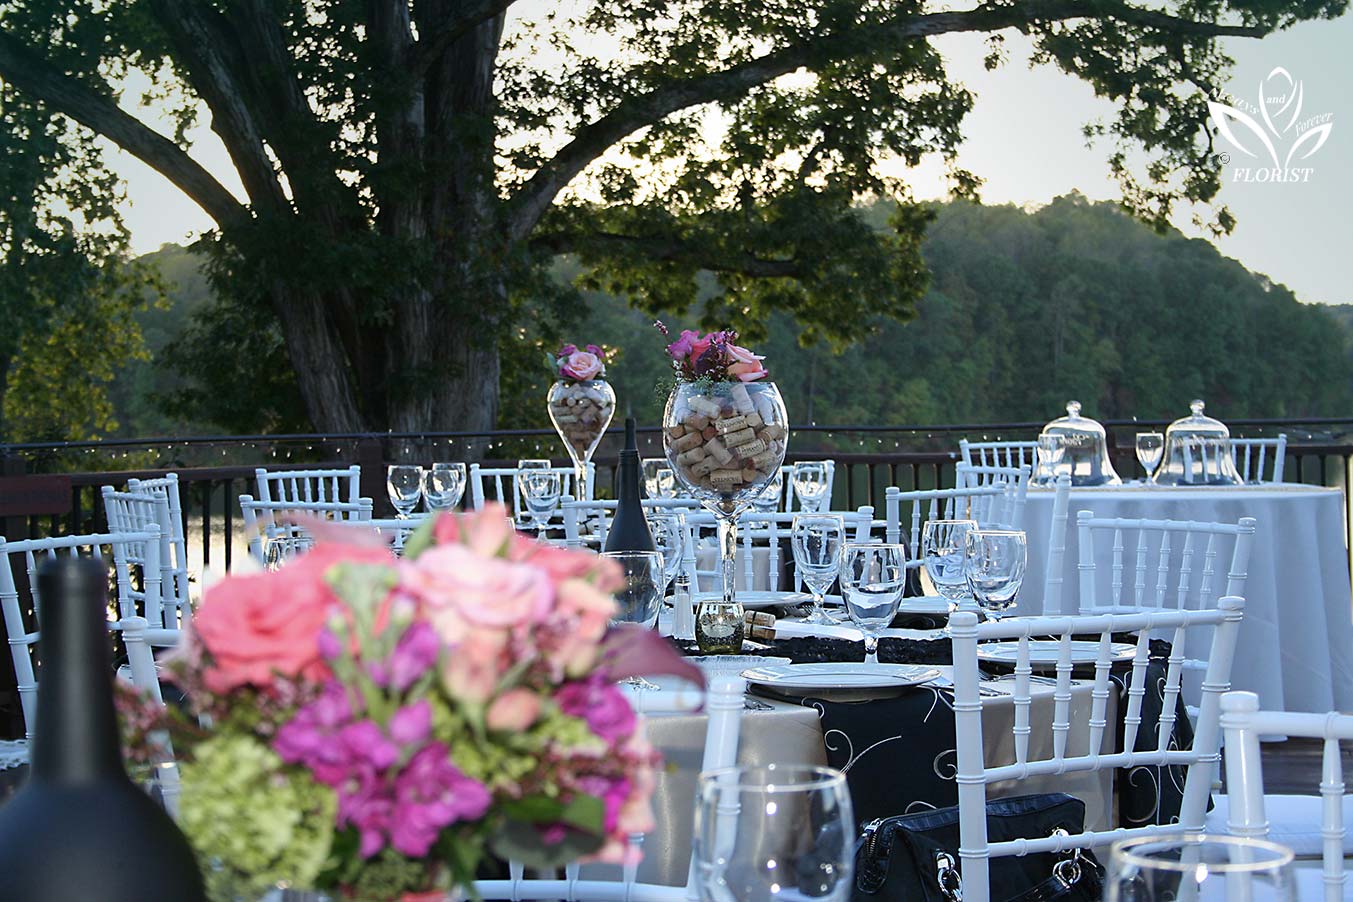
x: 1066, y: 873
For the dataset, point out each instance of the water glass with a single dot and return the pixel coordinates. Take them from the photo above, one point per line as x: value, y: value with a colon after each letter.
x: 809, y: 478
x: 667, y: 483
x: 768, y: 502
x: 669, y: 536
x: 774, y: 832
x: 944, y: 549
x: 443, y: 486
x: 540, y: 490
x: 817, y: 541
x: 285, y: 545
x: 1150, y: 449
x: 641, y: 596
x: 1051, y: 453
x: 995, y: 568
x: 651, y: 466
x: 1201, y: 867
x: 872, y: 580
x: 404, y: 484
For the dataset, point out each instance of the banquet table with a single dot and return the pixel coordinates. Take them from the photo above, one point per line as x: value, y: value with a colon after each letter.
x: 1295, y: 648
x: 791, y: 733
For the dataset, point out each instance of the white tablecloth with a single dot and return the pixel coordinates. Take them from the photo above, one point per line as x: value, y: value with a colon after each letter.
x: 1296, y: 642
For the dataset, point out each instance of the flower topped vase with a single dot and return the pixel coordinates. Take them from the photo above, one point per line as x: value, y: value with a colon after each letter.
x: 581, y: 404
x: 725, y: 431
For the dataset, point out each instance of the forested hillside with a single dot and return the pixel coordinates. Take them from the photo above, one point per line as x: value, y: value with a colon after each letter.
x: 1026, y: 309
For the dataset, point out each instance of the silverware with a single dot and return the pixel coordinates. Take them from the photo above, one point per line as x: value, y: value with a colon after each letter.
x: 751, y: 704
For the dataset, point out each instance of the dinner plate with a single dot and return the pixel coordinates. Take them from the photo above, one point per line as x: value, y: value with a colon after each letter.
x: 840, y: 676
x: 1045, y: 652
x: 755, y: 601
x: 924, y: 604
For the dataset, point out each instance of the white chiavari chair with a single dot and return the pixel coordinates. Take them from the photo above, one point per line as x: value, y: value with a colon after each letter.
x: 500, y: 484
x: 167, y: 486
x: 130, y: 513
x: 999, y: 454
x: 21, y: 603
x: 1054, y: 578
x: 310, y: 486
x: 764, y: 530
x: 1312, y: 826
x: 265, y: 521
x: 1260, y: 460
x: 1015, y: 478
x: 974, y: 775
x: 723, y: 700
x: 396, y: 531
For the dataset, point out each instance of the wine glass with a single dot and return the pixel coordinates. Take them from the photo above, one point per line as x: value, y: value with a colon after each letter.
x: 809, y: 478
x: 540, y: 489
x: 404, y: 484
x: 641, y: 596
x: 1150, y: 449
x: 944, y: 549
x: 768, y: 502
x: 1199, y: 866
x: 443, y: 486
x: 669, y: 530
x: 667, y: 483
x: 994, y: 568
x: 650, y: 467
x: 817, y: 540
x: 872, y: 580
x: 1051, y: 453
x: 774, y: 832
x: 291, y: 542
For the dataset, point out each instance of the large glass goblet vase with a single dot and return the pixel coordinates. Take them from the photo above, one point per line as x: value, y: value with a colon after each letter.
x: 580, y: 412
x: 725, y: 441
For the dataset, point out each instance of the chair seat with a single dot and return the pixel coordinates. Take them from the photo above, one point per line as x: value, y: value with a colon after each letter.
x: 1293, y: 821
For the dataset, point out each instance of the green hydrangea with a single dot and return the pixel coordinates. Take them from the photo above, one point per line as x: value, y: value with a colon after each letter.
x: 253, y: 822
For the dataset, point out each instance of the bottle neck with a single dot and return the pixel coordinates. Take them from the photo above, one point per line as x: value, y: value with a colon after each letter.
x: 628, y: 474
x: 76, y: 738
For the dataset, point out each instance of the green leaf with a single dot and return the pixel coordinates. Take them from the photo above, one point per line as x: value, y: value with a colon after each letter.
x: 420, y: 539
x: 586, y: 812
x: 535, y: 809
x: 522, y: 842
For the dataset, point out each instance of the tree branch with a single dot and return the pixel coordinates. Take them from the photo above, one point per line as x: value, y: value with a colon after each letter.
x: 424, y: 53
x: 633, y: 114
x: 34, y: 75
x: 673, y: 250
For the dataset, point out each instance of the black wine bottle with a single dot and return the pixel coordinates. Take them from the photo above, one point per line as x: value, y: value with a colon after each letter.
x: 79, y: 828
x: 629, y: 528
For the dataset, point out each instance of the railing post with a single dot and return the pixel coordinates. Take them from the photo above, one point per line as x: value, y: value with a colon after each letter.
x: 371, y: 458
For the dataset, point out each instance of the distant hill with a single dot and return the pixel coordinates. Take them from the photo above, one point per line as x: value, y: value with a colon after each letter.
x: 1026, y: 310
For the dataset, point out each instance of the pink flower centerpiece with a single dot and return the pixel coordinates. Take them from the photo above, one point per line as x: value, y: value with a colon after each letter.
x: 378, y: 724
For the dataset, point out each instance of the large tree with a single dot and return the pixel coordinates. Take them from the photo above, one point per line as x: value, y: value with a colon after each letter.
x: 411, y: 166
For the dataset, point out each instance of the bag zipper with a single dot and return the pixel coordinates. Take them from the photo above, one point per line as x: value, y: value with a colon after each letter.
x: 871, y: 836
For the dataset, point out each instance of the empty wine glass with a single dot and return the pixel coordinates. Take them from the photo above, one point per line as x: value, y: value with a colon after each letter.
x: 669, y: 531
x: 540, y: 491
x: 1150, y: 449
x: 443, y: 486
x: 944, y: 549
x: 404, y: 484
x: 768, y: 502
x: 872, y: 580
x: 774, y: 832
x: 667, y: 483
x: 817, y: 541
x: 283, y: 546
x: 651, y: 466
x: 809, y: 478
x: 1201, y: 867
x: 641, y: 596
x: 995, y: 568
x: 1051, y: 453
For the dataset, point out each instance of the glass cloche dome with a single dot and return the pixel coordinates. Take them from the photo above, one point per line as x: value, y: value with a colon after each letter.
x: 1086, y: 458
x: 1197, y: 452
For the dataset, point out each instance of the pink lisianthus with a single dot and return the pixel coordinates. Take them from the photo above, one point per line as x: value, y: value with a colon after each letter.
x: 745, y: 365
x: 513, y: 711
x: 581, y: 365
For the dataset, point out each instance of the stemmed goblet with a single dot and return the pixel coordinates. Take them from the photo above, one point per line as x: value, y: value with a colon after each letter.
x: 540, y: 489
x: 994, y: 568
x: 817, y: 540
x: 944, y: 549
x: 404, y: 484
x: 1150, y: 450
x: 872, y: 580
x: 443, y: 486
x: 809, y: 478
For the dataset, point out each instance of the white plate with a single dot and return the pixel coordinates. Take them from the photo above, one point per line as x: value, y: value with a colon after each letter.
x: 1044, y: 653
x: 924, y: 604
x: 841, y: 676
x: 754, y: 601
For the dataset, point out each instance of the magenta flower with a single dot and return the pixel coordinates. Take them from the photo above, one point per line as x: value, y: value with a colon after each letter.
x: 566, y: 350
x: 366, y: 742
x: 414, y: 655
x: 412, y: 723
x: 595, y: 349
x: 601, y: 704
x: 430, y: 794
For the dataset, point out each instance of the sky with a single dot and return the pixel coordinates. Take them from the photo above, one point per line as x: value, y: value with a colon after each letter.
x: 1024, y: 138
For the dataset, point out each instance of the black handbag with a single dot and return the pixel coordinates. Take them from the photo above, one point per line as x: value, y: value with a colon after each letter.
x: 914, y: 857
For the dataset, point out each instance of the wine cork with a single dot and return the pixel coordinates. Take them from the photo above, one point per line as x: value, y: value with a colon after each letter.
x: 741, y: 398
x: 703, y: 467
x: 565, y: 418
x: 726, y: 478
x: 772, y: 431
x: 741, y: 437
x: 752, y: 449
x: 676, y: 431
x: 749, y: 474
x: 703, y: 405
x: 758, y: 618
x: 716, y: 449
x: 765, y: 460
x: 709, y: 432
x: 730, y: 424
x: 765, y: 408
x: 762, y: 633
x: 687, y: 442
x: 695, y: 455
x: 698, y: 423
x: 753, y: 420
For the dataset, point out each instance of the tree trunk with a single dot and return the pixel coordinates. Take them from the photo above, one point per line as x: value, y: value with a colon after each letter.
x: 322, y: 371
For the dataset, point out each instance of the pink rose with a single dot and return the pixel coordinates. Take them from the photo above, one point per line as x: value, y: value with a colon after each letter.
x: 475, y: 666
x: 458, y: 590
x: 700, y: 345
x: 581, y: 365
x: 260, y: 626
x: 745, y: 365
x: 513, y: 711
x: 486, y: 532
x: 585, y: 613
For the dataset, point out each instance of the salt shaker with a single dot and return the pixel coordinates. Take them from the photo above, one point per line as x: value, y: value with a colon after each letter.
x: 683, y: 610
